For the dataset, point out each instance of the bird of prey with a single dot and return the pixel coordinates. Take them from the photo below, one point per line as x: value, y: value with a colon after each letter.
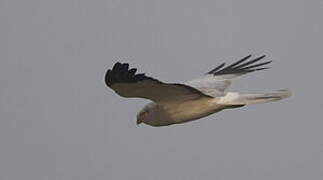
x: 174, y: 103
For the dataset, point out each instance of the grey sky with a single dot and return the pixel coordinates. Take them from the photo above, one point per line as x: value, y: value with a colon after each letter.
x: 59, y: 121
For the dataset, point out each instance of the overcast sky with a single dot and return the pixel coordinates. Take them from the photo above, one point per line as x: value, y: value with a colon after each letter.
x: 59, y: 121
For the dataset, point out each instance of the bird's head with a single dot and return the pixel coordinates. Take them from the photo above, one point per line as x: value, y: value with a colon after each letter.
x: 146, y: 114
x: 141, y: 116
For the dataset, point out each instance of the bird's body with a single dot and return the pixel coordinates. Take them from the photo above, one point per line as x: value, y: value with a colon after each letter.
x: 180, y: 103
x: 177, y: 113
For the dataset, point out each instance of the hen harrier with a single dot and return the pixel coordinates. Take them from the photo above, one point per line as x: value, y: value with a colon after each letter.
x: 178, y: 103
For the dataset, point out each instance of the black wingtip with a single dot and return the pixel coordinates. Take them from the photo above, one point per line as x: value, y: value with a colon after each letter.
x: 241, y: 66
x: 120, y: 73
x: 217, y: 68
x: 247, y: 57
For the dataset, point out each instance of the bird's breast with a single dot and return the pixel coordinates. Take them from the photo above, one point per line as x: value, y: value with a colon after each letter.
x: 189, y: 110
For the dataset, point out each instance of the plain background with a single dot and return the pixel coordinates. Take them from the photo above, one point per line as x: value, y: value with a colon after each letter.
x: 59, y: 121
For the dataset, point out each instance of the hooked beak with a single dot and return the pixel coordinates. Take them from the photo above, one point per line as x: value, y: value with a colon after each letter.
x: 138, y: 121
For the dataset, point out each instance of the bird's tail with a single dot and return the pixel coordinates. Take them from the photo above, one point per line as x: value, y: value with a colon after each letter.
x: 243, y: 99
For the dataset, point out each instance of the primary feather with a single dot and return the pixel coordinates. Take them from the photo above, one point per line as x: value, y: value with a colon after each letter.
x: 215, y: 82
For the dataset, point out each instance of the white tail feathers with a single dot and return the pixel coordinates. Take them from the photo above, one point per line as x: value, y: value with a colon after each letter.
x: 232, y: 98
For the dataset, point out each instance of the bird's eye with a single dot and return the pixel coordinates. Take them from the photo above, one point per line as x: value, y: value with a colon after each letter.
x: 144, y: 114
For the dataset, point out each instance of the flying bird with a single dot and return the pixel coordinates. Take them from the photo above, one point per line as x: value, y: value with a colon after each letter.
x: 175, y: 103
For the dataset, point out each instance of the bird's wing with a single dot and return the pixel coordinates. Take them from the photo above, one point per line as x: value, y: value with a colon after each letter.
x: 218, y: 79
x: 127, y: 83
